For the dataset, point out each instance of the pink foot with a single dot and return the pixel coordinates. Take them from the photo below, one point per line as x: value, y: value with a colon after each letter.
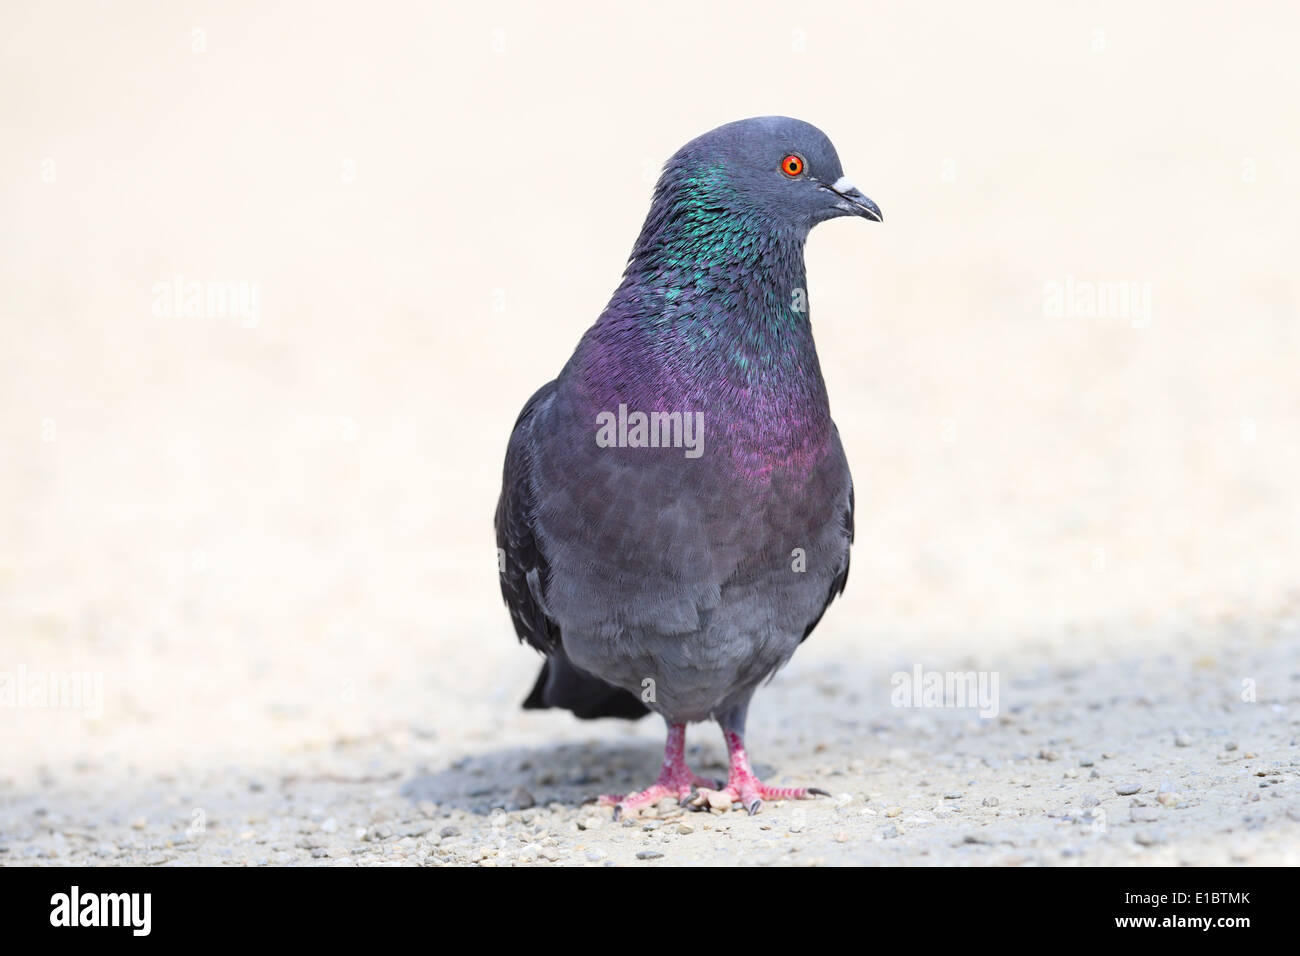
x: 675, y: 780
x: 750, y: 792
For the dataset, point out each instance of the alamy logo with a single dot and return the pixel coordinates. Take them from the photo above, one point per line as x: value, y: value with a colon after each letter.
x: 651, y: 430
x: 1085, y: 299
x: 53, y: 690
x: 959, y: 689
x: 208, y: 300
x: 103, y: 909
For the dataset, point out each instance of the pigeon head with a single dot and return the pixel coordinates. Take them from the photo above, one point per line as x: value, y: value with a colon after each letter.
x: 783, y: 170
x: 712, y: 311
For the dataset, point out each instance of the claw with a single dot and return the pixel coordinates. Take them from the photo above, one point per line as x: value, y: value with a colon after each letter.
x: 747, y: 789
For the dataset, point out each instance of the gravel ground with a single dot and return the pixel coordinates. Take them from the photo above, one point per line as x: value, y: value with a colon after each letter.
x: 1152, y: 760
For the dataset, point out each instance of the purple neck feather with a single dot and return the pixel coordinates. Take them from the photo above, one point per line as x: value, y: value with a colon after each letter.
x: 712, y: 316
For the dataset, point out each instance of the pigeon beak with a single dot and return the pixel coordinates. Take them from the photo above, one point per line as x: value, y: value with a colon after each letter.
x: 852, y: 201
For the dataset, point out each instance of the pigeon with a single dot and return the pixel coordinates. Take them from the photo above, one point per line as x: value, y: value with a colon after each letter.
x: 676, y: 507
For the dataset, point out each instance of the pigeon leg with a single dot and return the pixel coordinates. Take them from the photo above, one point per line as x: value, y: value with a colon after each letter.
x: 746, y: 789
x: 675, y: 779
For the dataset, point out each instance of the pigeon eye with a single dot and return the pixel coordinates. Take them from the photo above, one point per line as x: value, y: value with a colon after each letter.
x: 792, y: 165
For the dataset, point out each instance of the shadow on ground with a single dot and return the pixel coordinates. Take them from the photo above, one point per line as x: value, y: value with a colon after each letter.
x: 569, y: 774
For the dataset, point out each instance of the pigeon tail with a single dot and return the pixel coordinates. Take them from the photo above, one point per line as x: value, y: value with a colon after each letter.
x: 560, y: 684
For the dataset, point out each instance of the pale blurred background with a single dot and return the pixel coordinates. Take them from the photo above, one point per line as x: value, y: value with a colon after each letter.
x: 268, y: 535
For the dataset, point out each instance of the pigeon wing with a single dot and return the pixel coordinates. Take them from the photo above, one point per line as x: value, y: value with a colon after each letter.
x: 520, y: 559
x: 524, y: 571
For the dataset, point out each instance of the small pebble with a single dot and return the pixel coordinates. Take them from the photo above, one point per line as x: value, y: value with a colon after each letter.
x: 719, y: 800
x: 1127, y: 789
x: 649, y: 855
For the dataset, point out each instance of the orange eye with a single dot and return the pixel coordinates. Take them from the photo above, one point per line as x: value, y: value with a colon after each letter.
x: 792, y: 165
